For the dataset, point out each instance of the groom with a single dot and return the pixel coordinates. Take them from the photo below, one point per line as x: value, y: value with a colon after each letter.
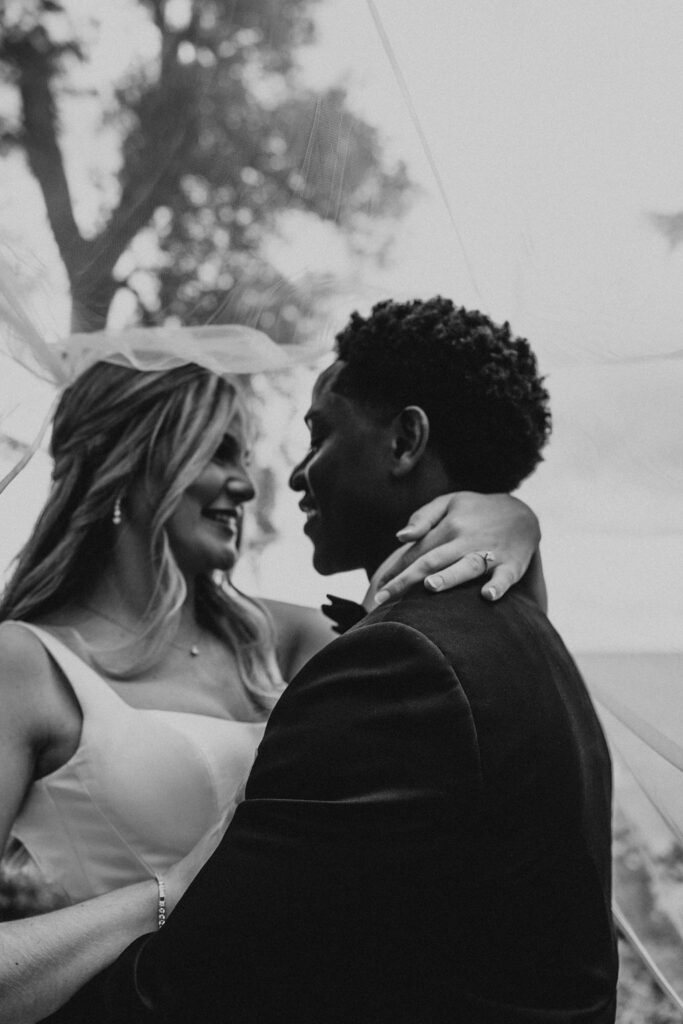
x: 425, y: 837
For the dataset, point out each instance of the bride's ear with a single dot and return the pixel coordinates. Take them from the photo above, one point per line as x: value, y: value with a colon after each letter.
x: 411, y: 434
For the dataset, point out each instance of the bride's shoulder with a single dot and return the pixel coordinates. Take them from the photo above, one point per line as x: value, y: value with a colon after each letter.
x: 300, y: 633
x: 40, y: 718
x: 20, y: 650
x: 28, y: 684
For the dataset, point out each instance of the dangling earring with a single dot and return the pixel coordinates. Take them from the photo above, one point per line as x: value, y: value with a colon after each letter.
x: 116, y: 516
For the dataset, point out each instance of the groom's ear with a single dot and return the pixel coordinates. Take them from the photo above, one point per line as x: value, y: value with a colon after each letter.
x: 411, y: 434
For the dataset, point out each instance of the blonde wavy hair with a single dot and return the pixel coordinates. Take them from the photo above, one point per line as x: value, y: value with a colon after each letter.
x: 115, y: 425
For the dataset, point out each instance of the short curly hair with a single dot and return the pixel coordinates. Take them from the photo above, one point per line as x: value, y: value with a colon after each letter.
x: 477, y: 383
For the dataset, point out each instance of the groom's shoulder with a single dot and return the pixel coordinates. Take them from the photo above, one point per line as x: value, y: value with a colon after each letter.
x: 456, y: 613
x: 471, y: 632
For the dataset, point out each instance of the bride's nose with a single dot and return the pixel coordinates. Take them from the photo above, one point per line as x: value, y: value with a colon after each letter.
x: 240, y: 487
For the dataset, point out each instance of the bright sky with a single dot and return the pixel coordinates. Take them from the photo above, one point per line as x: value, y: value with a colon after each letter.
x: 556, y: 130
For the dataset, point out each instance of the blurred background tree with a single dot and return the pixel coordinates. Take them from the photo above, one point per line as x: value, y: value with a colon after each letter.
x: 177, y: 147
x: 670, y: 226
x: 221, y: 150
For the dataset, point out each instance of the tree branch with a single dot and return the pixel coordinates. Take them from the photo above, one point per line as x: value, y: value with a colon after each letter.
x: 151, y: 171
x: 155, y: 179
x: 39, y: 123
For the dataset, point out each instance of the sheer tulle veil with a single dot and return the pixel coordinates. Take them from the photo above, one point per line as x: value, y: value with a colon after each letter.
x: 228, y: 350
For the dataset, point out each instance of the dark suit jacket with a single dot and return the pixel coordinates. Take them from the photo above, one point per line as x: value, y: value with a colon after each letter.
x: 425, y: 839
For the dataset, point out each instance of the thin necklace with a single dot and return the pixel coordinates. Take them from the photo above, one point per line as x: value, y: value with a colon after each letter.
x: 193, y: 649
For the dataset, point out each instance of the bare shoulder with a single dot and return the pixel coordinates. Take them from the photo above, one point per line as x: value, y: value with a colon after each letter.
x: 31, y: 689
x: 301, y: 632
x: 21, y: 654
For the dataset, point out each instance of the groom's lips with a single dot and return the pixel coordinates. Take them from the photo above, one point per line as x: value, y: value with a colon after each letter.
x: 310, y: 511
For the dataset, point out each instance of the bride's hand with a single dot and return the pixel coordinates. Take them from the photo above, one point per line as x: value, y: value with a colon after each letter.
x: 179, y: 876
x: 448, y: 539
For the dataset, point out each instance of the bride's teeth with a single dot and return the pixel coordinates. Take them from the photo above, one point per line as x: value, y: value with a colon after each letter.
x: 220, y: 516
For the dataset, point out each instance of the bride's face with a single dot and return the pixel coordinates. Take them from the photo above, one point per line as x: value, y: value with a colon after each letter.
x: 205, y: 528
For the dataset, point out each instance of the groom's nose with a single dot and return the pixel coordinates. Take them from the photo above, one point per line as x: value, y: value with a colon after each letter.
x: 297, y: 479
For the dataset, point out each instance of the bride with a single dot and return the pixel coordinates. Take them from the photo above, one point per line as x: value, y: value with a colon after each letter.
x: 135, y: 680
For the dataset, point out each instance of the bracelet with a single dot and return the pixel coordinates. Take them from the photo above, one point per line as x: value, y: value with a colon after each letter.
x: 161, y: 903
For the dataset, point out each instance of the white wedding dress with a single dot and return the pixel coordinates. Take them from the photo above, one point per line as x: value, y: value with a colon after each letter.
x: 136, y: 796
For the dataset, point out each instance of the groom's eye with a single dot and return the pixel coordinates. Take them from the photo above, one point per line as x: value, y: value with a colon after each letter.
x: 316, y: 432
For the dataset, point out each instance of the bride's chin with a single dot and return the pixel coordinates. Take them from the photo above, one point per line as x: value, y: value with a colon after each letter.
x: 205, y: 563
x: 226, y: 560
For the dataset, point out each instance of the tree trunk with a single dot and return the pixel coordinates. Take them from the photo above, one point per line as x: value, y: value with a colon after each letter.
x: 89, y: 308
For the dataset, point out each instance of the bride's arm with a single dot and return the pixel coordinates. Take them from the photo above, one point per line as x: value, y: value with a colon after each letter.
x: 44, y: 960
x: 448, y: 538
x: 300, y: 633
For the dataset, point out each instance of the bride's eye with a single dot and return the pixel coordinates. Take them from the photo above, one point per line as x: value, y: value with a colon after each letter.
x: 227, y: 451
x: 230, y: 451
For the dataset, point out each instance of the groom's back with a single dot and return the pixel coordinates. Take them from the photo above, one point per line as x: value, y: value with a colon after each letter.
x: 530, y: 928
x: 424, y: 840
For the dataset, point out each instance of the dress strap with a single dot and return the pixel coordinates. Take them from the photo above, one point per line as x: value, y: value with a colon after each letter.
x: 87, y: 684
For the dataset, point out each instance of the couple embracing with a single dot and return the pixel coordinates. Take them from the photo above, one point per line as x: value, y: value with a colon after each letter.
x: 425, y: 834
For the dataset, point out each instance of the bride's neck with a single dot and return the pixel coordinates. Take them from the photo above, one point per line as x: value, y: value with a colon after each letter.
x: 124, y: 588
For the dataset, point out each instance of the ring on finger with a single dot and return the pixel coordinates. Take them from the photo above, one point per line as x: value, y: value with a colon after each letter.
x: 488, y: 558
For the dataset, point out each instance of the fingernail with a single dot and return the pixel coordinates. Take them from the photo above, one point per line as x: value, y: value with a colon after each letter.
x: 381, y: 596
x: 490, y: 593
x: 405, y: 533
x: 434, y: 582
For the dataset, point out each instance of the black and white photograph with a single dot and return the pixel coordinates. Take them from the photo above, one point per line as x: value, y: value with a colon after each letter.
x: 341, y: 512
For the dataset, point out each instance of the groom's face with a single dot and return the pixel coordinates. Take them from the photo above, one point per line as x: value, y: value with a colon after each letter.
x: 345, y: 481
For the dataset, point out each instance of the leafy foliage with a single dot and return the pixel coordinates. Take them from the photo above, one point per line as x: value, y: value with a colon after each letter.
x: 219, y: 145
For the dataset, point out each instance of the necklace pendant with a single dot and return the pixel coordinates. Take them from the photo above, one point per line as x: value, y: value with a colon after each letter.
x: 194, y: 651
